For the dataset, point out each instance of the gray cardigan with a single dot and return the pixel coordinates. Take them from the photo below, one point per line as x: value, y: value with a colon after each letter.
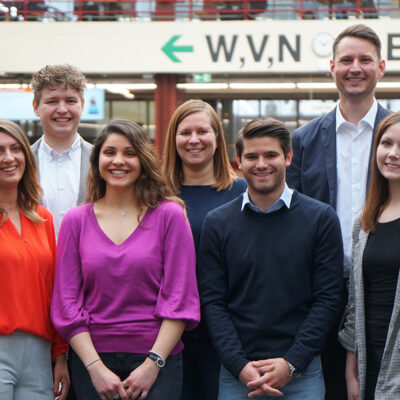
x: 86, y: 150
x: 352, y: 336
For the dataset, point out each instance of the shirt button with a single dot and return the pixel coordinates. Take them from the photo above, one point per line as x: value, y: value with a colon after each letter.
x: 25, y: 240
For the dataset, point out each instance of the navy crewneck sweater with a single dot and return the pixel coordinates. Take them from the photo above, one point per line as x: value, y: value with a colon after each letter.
x: 270, y: 283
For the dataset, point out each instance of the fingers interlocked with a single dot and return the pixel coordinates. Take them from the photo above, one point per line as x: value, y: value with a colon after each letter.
x: 129, y: 391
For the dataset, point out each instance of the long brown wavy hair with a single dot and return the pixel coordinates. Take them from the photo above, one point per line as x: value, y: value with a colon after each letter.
x: 29, y: 190
x: 172, y: 163
x: 150, y: 187
x: 378, y: 193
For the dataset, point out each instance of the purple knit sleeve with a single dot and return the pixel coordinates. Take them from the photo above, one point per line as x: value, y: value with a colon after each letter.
x: 178, y: 297
x: 67, y: 309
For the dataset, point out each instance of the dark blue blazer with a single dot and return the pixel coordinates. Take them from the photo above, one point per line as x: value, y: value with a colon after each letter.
x: 313, y: 167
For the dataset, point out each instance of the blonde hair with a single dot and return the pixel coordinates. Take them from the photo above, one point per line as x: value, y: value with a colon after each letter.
x: 29, y: 190
x: 55, y: 76
x: 172, y: 163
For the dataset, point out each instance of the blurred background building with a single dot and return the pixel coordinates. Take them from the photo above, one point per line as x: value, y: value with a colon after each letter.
x: 144, y: 57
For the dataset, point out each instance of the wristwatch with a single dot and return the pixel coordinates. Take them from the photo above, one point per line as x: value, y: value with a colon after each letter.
x: 157, y: 358
x: 293, y: 371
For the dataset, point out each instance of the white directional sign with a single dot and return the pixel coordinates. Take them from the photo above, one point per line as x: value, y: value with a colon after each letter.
x: 241, y: 47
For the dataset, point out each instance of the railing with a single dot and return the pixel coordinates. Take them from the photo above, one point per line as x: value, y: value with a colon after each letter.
x: 168, y: 10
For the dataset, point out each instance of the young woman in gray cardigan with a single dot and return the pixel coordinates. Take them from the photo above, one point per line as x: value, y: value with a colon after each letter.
x: 371, y: 331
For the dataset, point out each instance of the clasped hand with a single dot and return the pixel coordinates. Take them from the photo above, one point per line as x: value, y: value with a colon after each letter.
x: 138, y: 383
x: 265, y: 377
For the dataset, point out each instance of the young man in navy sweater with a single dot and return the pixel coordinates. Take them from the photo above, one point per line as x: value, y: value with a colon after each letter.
x: 270, y: 276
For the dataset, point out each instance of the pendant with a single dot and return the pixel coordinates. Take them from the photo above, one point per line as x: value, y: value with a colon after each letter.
x: 123, y: 213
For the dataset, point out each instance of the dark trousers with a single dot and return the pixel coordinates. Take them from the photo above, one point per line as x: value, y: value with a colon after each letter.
x: 201, y: 368
x: 166, y: 387
x: 71, y: 392
x: 333, y: 357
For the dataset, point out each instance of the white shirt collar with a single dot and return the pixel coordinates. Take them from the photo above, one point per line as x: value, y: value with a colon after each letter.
x: 60, y: 175
x: 284, y: 200
x: 368, y: 118
x: 66, y: 153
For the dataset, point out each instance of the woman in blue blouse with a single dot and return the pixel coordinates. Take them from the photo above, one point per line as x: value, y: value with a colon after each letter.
x: 196, y: 167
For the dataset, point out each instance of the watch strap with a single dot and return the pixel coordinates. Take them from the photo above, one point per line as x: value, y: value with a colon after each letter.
x: 293, y: 370
x: 157, y: 358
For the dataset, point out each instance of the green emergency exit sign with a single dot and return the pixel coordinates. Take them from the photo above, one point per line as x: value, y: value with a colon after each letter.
x: 202, y: 78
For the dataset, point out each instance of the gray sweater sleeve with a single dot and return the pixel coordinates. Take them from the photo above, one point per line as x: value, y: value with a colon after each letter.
x: 347, y: 334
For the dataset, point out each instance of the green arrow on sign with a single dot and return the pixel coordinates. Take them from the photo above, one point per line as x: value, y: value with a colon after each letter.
x: 169, y: 48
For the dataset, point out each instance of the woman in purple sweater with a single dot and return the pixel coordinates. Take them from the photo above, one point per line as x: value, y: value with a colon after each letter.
x: 125, y: 284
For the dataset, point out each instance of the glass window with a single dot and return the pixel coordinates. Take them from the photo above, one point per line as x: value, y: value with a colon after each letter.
x: 284, y: 110
x: 141, y: 112
x: 309, y: 109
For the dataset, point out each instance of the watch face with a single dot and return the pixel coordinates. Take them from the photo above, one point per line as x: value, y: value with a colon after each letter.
x: 297, y: 374
x: 322, y: 44
x: 160, y: 363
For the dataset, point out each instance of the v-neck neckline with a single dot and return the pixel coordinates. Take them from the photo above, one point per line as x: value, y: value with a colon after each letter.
x: 107, y: 238
x: 21, y: 216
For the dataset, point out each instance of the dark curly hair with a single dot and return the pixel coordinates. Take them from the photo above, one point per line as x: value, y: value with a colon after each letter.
x: 150, y: 187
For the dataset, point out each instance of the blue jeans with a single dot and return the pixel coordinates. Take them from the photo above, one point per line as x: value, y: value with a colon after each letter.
x: 309, y: 386
x: 167, y: 386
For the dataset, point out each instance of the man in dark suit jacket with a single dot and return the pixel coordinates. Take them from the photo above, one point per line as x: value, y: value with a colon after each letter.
x: 332, y: 154
x: 313, y: 169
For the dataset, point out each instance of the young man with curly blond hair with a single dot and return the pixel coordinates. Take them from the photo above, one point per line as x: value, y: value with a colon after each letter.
x: 62, y: 154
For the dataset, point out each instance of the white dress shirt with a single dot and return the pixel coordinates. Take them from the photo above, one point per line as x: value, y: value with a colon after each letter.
x: 353, y: 146
x: 59, y: 178
x: 284, y: 200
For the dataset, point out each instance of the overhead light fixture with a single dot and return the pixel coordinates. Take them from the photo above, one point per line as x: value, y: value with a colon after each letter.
x: 316, y: 85
x: 124, y: 92
x: 13, y: 86
x: 117, y: 86
x: 332, y: 85
x: 202, y: 86
x: 262, y: 86
x: 388, y: 85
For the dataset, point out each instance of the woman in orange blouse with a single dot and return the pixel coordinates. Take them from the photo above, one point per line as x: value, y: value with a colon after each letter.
x: 28, y: 340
